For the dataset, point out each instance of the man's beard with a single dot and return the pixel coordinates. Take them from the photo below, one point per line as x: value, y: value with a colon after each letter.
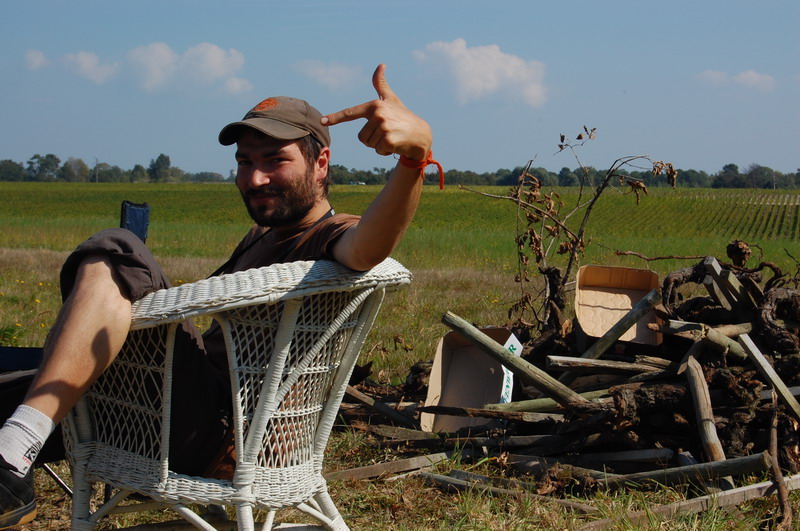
x: 296, y: 202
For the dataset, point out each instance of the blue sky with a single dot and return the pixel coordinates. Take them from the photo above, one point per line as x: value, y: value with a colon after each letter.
x: 697, y: 83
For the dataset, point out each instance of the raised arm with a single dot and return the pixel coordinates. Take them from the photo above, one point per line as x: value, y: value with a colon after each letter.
x: 390, y: 129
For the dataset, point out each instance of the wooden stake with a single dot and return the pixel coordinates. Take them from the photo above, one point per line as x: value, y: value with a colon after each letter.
x: 705, y: 417
x: 383, y: 409
x: 769, y: 374
x: 695, y: 505
x: 750, y: 464
x: 538, y: 378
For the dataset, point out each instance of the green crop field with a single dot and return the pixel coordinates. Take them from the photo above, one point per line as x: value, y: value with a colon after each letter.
x: 453, y: 227
x: 461, y: 250
x: 460, y: 245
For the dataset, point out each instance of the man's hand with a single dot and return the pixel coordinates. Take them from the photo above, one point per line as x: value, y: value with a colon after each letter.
x: 391, y: 128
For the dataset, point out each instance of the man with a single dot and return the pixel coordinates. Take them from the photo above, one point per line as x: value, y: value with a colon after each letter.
x: 283, y: 156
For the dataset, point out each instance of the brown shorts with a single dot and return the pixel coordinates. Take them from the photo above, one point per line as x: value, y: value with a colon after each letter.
x: 201, y: 391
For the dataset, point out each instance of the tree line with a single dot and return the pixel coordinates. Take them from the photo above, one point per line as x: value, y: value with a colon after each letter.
x: 49, y: 168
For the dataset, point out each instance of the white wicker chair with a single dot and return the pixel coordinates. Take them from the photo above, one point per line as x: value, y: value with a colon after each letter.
x: 293, y: 333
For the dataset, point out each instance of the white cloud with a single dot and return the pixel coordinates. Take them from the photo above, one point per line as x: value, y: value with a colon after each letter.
x: 748, y: 78
x: 88, y: 65
x: 755, y: 80
x: 154, y: 63
x: 34, y: 60
x: 483, y: 70
x: 208, y: 62
x: 237, y: 85
x: 158, y: 65
x: 332, y: 75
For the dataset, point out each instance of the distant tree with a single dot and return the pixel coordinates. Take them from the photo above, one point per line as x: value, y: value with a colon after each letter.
x: 339, y: 174
x: 692, y: 179
x: 760, y: 176
x: 106, y: 173
x: 588, y: 175
x: 175, y: 175
x: 11, y: 171
x: 567, y: 177
x: 159, y: 169
x: 43, y: 168
x: 74, y: 171
x: 139, y: 174
x: 545, y: 177
x: 511, y: 177
x: 205, y: 177
x: 729, y: 177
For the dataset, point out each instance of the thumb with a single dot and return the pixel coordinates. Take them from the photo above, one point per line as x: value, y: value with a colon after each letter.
x: 382, y: 86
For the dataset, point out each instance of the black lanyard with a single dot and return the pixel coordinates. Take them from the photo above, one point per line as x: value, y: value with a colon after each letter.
x: 236, y: 255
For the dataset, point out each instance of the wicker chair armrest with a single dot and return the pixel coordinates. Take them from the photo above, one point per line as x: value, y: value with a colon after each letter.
x: 257, y: 286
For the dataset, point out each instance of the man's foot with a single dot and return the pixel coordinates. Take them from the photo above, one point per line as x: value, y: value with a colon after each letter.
x: 17, y: 502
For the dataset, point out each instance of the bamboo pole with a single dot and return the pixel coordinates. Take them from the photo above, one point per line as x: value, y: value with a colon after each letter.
x: 583, y: 365
x: 538, y: 378
x: 750, y: 464
x: 546, y: 405
x: 705, y: 417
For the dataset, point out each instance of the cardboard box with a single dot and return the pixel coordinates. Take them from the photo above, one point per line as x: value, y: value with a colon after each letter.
x: 464, y: 376
x: 604, y: 294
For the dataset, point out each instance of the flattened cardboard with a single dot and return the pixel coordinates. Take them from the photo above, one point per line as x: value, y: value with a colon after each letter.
x: 604, y: 294
x: 464, y: 376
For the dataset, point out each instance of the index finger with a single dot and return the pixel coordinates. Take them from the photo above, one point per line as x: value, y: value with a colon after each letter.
x: 348, y: 115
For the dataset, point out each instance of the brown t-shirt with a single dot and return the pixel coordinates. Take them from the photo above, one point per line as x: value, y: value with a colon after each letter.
x: 262, y: 247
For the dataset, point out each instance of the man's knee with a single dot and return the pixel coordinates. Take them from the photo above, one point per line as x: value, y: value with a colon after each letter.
x: 133, y: 266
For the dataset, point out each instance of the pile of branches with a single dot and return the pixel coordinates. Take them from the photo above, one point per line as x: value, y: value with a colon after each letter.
x: 712, y: 405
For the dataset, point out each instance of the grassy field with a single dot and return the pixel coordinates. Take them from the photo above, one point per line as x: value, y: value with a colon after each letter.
x: 462, y: 253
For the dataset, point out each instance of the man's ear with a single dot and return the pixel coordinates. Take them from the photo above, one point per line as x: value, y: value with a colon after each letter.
x: 322, y: 164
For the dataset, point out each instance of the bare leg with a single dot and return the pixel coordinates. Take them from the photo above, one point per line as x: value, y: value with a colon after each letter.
x: 88, y: 334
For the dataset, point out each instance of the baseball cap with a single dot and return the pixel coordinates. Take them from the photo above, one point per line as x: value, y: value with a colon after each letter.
x: 279, y: 117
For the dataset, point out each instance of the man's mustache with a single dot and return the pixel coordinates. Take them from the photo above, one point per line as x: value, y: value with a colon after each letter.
x: 267, y: 191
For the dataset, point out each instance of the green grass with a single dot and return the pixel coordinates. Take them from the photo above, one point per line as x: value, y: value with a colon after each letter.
x: 461, y: 250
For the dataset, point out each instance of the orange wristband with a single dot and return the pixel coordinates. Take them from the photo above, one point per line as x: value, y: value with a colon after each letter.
x: 421, y: 164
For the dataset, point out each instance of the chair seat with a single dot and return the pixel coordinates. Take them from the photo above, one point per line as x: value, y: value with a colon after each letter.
x: 271, y: 488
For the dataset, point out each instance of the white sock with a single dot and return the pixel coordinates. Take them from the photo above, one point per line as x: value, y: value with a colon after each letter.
x: 23, y: 435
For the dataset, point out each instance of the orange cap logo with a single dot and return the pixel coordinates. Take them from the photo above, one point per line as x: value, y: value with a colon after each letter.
x: 266, y: 105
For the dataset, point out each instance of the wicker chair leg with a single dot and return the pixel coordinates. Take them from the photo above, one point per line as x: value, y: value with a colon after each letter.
x: 244, y: 517
x: 81, y: 497
x: 268, y: 523
x: 192, y: 517
x: 322, y: 508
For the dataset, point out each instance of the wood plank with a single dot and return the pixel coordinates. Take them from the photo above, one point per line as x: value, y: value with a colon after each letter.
x: 383, y: 409
x: 584, y: 365
x: 395, y: 467
x: 695, y: 505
